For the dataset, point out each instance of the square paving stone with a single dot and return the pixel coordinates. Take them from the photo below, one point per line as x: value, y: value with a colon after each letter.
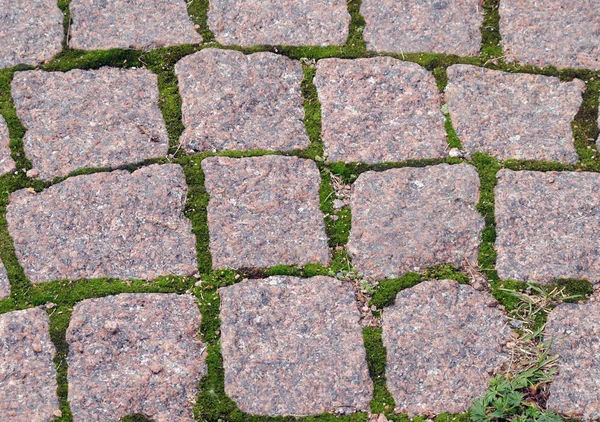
x: 118, y: 224
x: 277, y: 22
x: 89, y: 118
x: 264, y: 211
x: 294, y: 346
x: 444, y: 342
x: 233, y: 101
x: 510, y: 115
x: 547, y: 225
x: 405, y: 26
x: 379, y: 109
x: 135, y: 353
x: 147, y: 24
x: 4, y: 283
x: 27, y: 373
x: 574, y: 334
x: 551, y: 32
x: 7, y: 164
x: 31, y: 31
x: 408, y: 219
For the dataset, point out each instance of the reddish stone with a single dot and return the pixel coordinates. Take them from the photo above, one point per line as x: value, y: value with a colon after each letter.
x: 7, y: 164
x: 4, y: 283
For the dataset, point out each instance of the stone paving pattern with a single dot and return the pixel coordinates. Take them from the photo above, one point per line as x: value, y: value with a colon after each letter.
x: 518, y: 116
x: 7, y: 164
x: 106, y: 24
x: 135, y: 353
x: 4, y: 282
x: 118, y: 224
x: 233, y: 101
x: 379, y: 109
x: 27, y: 373
x: 547, y: 225
x: 294, y: 346
x: 408, y: 219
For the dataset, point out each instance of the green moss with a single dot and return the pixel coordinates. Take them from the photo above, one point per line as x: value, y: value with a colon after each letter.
x: 490, y: 30
x: 198, y: 11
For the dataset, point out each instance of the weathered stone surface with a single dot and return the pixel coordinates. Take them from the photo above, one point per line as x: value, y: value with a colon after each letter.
x: 96, y: 118
x: 27, y: 373
x: 264, y: 211
x: 547, y: 225
x: 574, y: 334
x: 31, y: 32
x: 102, y: 25
x: 551, y: 32
x: 7, y: 164
x: 4, y: 282
x: 241, y: 102
x: 443, y: 342
x: 135, y: 353
x: 379, y: 109
x: 113, y: 224
x: 293, y: 346
x: 445, y: 26
x: 511, y: 115
x: 277, y: 22
x: 407, y: 219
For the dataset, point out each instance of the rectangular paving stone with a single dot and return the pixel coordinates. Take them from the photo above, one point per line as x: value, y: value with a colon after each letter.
x: 4, y: 283
x: 118, y: 224
x: 379, y: 109
x: 233, y: 101
x: 547, y: 225
x: 89, y: 118
x: 293, y: 346
x: 407, y: 219
x: 276, y: 22
x: 264, y: 211
x: 508, y: 115
x: 27, y: 372
x: 441, y: 355
x: 106, y: 24
x: 7, y: 164
x: 31, y: 31
x: 135, y: 353
x: 440, y: 26
x: 551, y: 32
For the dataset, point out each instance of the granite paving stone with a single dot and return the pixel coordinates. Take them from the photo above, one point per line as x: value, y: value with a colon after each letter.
x: 379, y: 109
x: 31, y: 31
x: 114, y: 224
x: 7, y: 164
x: 294, y: 346
x: 444, y: 341
x: 89, y: 118
x: 4, y: 282
x: 511, y: 115
x: 551, y: 32
x: 279, y: 22
x: 135, y: 353
x: 547, y: 225
x: 264, y: 211
x: 441, y: 26
x: 408, y: 219
x: 27, y: 372
x: 233, y: 101
x: 106, y: 24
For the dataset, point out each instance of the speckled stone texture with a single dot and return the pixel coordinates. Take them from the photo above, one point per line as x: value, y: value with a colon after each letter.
x: 233, y: 101
x: 117, y: 224
x: 96, y: 118
x: 264, y: 211
x: 551, y: 32
x: 511, y: 115
x: 437, y: 26
x: 293, y: 346
x: 279, y: 22
x: 7, y: 164
x: 27, y: 373
x: 547, y: 225
x: 4, y: 283
x: 106, y: 24
x: 574, y: 333
x: 135, y: 353
x: 31, y: 31
x: 379, y: 109
x: 408, y: 219
x: 443, y: 341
